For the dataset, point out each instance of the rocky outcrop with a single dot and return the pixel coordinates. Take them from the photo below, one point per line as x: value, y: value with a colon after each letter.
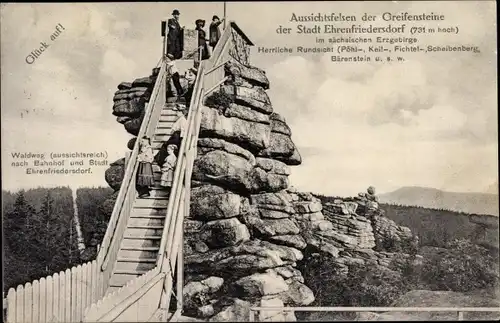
x: 248, y: 232
x: 242, y: 223
x: 130, y: 101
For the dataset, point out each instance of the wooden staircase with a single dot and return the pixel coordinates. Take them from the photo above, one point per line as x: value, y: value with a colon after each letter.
x: 141, y: 242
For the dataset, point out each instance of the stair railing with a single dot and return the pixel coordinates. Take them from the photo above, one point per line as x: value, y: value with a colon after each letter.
x: 209, y: 76
x: 126, y: 196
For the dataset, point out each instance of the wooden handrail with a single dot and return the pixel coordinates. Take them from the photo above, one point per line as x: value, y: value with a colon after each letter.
x: 110, y: 236
x: 174, y: 195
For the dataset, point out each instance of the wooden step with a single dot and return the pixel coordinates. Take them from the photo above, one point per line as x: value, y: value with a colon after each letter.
x: 137, y: 272
x: 118, y: 280
x: 150, y: 203
x: 144, y: 230
x: 146, y: 221
x: 163, y: 127
x: 135, y: 242
x: 132, y: 266
x: 138, y: 259
x: 138, y: 252
x: 159, y: 192
x: 148, y: 213
x: 168, y: 118
x: 169, y: 112
x: 161, y: 137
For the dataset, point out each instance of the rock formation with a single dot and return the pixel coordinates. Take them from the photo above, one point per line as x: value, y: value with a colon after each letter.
x: 248, y: 229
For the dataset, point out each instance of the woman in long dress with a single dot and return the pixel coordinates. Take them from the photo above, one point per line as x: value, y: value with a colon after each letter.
x: 145, y: 179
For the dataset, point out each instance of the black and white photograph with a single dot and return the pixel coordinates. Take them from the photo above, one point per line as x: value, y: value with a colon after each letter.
x: 246, y: 161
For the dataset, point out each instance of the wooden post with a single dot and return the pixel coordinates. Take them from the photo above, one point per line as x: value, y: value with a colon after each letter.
x: 251, y: 315
x: 224, y: 15
x: 127, y: 157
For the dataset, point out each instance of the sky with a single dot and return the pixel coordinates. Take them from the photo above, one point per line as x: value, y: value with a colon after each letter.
x: 430, y: 121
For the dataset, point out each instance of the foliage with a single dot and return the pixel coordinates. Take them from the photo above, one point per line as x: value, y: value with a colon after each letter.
x: 462, y: 267
x: 39, y: 233
x: 91, y: 217
x: 220, y: 100
x: 361, y: 286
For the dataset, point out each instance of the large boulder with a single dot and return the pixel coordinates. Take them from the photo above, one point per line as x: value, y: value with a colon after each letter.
x: 391, y: 237
x: 281, y: 147
x: 255, y: 98
x: 248, y: 134
x: 211, y: 202
x: 133, y: 126
x: 232, y: 167
x: 246, y: 113
x: 243, y: 259
x: 252, y: 75
x: 260, y: 284
x: 115, y: 173
x: 222, y: 233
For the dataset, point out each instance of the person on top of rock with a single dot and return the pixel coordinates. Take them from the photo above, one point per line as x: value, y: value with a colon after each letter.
x: 168, y: 167
x: 202, y: 42
x: 174, y: 74
x: 214, y: 31
x: 145, y: 179
x: 175, y: 36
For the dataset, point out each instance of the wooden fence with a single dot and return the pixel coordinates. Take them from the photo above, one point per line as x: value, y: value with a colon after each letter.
x: 109, y: 308
x: 270, y: 311
x: 62, y: 297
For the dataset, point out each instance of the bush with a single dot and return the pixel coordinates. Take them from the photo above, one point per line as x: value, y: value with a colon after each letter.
x: 361, y: 286
x: 463, y: 267
x: 219, y: 100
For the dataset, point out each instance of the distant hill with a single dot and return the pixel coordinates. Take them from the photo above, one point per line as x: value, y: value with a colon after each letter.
x: 472, y: 203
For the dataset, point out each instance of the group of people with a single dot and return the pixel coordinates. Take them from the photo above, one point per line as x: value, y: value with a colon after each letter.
x: 166, y: 158
x: 175, y: 36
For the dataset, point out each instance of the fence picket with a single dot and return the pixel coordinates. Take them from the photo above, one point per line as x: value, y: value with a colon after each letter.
x: 73, y: 294
x: 67, y: 296
x: 11, y: 305
x: 62, y: 296
x: 42, y: 299
x: 95, y: 278
x: 88, y: 287
x: 20, y: 304
x: 36, y: 302
x: 55, y: 298
x: 49, y: 299
x: 79, y: 285
x: 28, y: 303
x: 83, y: 284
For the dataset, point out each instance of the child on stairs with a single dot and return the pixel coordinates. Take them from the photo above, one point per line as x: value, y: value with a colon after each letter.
x: 145, y: 179
x: 167, y: 176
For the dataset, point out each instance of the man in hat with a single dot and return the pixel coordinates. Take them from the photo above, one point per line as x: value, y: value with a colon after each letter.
x: 174, y: 74
x: 202, y: 41
x: 214, y: 31
x: 175, y: 36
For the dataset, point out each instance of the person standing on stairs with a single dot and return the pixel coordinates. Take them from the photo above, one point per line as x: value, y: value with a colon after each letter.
x: 202, y: 43
x: 174, y: 74
x: 190, y: 77
x: 145, y: 179
x: 175, y: 36
x: 167, y: 176
x: 178, y: 132
x: 214, y: 31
